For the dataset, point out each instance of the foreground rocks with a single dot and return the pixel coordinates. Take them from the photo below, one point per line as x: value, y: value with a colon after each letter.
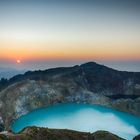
x: 137, y: 137
x: 89, y: 83
x: 35, y: 133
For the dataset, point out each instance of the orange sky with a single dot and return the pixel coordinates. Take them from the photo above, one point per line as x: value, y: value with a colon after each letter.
x: 69, y: 31
x: 99, y: 50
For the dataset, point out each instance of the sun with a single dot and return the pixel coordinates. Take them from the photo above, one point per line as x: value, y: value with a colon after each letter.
x: 18, y: 61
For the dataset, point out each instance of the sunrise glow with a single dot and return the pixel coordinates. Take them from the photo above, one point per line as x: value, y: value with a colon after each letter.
x: 69, y: 31
x: 18, y: 61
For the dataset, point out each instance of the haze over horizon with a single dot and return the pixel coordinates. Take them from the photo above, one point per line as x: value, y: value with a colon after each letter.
x: 40, y: 34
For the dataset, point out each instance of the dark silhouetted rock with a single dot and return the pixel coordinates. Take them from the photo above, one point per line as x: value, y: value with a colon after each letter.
x: 36, y: 133
x: 137, y: 137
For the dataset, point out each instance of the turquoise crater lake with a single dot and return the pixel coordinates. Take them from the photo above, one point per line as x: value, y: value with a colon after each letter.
x: 81, y: 117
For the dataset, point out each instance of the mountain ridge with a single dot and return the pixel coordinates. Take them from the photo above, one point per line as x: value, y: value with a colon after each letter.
x: 89, y: 83
x: 62, y: 69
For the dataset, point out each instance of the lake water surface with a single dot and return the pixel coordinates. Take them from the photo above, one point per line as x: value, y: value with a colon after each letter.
x: 81, y: 117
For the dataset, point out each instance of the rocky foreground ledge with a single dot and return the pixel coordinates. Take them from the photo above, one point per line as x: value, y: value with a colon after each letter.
x: 36, y: 133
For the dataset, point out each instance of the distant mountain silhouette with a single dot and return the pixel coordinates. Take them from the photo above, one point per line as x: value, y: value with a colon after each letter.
x: 9, y: 72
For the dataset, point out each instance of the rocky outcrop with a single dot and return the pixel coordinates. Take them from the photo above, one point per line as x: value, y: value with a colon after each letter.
x: 137, y: 137
x: 89, y: 83
x: 34, y: 133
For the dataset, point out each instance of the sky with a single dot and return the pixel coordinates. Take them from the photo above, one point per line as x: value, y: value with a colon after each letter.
x: 36, y: 34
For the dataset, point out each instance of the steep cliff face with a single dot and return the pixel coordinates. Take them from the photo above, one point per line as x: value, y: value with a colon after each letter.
x: 34, y: 133
x: 89, y: 83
